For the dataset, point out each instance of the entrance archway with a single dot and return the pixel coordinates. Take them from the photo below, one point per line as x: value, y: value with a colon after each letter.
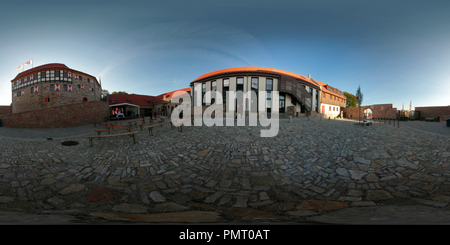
x: 368, y: 113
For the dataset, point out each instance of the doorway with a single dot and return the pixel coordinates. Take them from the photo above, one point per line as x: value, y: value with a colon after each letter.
x: 367, y: 114
x: 282, y: 104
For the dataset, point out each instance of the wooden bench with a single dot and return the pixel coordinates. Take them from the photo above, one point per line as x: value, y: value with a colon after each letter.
x: 131, y: 134
x: 150, y: 127
x: 95, y: 124
x: 110, y: 130
x: 180, y: 128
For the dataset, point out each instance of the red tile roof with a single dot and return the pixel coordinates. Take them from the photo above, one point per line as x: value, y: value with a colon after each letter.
x: 168, y: 96
x: 142, y: 100
x: 135, y: 99
x: 325, y: 90
x: 254, y: 69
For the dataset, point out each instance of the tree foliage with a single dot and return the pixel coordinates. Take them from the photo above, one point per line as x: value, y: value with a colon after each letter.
x: 351, y: 100
x: 359, y: 96
x: 120, y: 92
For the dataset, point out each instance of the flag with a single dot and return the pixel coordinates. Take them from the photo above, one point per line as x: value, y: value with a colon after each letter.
x: 29, y: 62
x: 20, y: 67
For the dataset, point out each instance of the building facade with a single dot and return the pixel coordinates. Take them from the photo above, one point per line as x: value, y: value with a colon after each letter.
x: 52, y: 85
x: 298, y: 95
x: 333, y: 101
x: 130, y: 105
x: 163, y: 104
x: 127, y: 105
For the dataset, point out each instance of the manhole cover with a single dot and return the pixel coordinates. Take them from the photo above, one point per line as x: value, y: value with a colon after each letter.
x: 69, y: 143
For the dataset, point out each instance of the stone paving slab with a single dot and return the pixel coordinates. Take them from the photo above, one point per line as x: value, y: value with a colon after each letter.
x: 313, y: 171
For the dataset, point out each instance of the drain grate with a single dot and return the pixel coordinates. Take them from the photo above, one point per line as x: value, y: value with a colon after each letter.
x: 69, y: 143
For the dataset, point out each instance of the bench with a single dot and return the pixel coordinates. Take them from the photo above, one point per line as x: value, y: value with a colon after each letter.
x: 116, y: 129
x: 150, y: 128
x: 366, y: 123
x: 180, y: 129
x: 429, y: 119
x: 95, y: 124
x: 131, y: 134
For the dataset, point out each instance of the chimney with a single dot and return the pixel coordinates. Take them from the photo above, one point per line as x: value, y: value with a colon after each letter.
x: 309, y: 76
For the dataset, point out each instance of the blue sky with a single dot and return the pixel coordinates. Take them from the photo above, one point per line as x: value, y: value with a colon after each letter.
x: 398, y: 51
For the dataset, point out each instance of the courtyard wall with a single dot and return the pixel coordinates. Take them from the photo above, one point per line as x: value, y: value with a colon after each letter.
x: 441, y: 112
x: 378, y: 111
x: 72, y: 115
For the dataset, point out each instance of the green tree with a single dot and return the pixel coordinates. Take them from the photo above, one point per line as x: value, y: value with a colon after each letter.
x: 359, y: 96
x: 351, y: 100
x: 104, y: 94
x: 120, y: 92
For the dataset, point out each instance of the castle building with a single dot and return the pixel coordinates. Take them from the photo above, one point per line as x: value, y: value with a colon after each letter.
x: 52, y: 85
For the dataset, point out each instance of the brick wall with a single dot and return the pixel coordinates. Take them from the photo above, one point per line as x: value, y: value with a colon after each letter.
x: 433, y: 111
x: 378, y: 111
x: 59, y: 116
x: 4, y: 110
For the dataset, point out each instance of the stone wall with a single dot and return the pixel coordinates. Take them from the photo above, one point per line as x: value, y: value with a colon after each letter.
x: 378, y: 111
x: 433, y: 111
x: 5, y: 110
x: 59, y: 116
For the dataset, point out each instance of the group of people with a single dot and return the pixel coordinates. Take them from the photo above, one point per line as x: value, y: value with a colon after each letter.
x: 151, y: 115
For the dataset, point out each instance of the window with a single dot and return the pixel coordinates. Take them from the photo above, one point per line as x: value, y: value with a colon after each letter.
x: 79, y: 86
x: 254, y: 102
x: 269, y: 88
x: 32, y: 90
x: 43, y: 74
x: 52, y: 87
x: 269, y: 84
x: 56, y: 73
x: 317, y: 101
x: 255, y: 83
x: 203, y: 94
x: 226, y: 88
x: 64, y: 87
x: 213, y: 86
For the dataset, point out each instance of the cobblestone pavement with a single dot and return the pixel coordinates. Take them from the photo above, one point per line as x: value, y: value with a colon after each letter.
x: 313, y: 172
